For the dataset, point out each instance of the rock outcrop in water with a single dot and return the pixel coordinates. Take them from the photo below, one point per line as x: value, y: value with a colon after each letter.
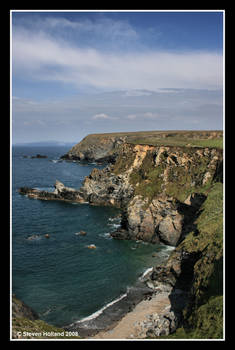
x: 61, y: 192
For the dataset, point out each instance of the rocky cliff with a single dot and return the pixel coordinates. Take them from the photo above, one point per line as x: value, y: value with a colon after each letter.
x: 194, y: 276
x: 172, y: 195
x: 170, y: 191
x: 96, y: 148
x: 105, y: 147
x: 159, y: 189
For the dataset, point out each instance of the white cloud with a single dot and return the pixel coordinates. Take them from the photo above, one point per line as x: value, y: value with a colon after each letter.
x: 37, y: 122
x: 101, y: 27
x: 100, y: 116
x: 131, y: 116
x: 151, y: 115
x: 39, y: 56
x: 72, y: 118
x: 137, y: 93
x: 103, y: 116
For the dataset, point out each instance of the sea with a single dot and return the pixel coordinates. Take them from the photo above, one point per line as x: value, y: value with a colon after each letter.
x: 60, y: 277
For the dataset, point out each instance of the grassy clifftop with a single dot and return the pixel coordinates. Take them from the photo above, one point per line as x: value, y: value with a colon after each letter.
x: 104, y: 147
x: 197, y: 138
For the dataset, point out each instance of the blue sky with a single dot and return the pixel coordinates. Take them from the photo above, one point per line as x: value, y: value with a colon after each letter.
x: 75, y: 73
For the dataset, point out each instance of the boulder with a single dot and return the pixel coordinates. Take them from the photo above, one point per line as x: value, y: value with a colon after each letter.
x: 157, y: 221
x: 170, y: 229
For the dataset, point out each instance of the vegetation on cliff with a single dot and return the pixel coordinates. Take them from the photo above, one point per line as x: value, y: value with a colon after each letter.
x: 178, y: 171
x: 203, y: 314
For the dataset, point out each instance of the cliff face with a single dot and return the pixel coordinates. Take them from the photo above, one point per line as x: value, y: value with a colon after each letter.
x: 195, y: 270
x: 173, y: 195
x: 158, y: 188
x: 95, y: 148
x: 105, y: 147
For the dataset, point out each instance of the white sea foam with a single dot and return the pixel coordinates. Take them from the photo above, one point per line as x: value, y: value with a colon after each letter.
x: 115, y: 225
x: 97, y: 313
x: 146, y: 272
x: 105, y: 235
x: 169, y: 248
x: 48, y: 189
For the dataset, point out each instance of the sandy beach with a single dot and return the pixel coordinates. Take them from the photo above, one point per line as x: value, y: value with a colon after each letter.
x: 129, y: 327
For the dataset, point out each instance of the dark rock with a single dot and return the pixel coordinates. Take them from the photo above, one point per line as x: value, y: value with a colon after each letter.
x: 39, y: 156
x: 81, y: 233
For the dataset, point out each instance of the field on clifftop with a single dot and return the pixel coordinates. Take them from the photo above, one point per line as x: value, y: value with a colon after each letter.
x: 165, y: 138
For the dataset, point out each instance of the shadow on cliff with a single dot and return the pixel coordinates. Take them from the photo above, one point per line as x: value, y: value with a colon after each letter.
x: 190, y: 214
x: 180, y: 295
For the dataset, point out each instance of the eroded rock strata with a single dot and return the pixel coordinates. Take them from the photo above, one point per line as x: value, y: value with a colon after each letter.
x: 159, y: 189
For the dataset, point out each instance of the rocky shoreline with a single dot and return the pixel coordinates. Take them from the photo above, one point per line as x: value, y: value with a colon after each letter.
x: 112, y: 313
x: 166, y: 195
x: 158, y: 189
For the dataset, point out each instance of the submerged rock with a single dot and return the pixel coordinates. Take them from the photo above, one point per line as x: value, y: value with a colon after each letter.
x: 91, y: 246
x: 33, y: 237
x: 39, y: 156
x: 81, y: 233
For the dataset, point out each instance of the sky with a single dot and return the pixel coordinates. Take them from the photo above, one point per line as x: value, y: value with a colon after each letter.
x: 82, y: 72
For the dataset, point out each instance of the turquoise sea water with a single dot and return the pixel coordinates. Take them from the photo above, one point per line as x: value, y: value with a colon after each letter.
x: 59, y: 277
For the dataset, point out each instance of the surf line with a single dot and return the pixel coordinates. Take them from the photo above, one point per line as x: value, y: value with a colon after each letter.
x: 97, y: 313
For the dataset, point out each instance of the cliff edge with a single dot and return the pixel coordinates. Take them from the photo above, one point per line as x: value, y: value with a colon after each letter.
x: 104, y: 148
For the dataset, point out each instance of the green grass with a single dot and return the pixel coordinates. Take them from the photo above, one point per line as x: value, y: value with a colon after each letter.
x: 208, y: 322
x: 193, y: 138
x: 179, y: 142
